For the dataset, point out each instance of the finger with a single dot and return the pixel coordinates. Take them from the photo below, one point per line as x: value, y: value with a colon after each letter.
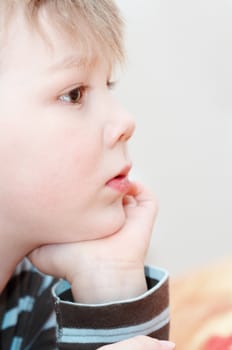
x: 140, y: 343
x: 144, y: 198
x: 129, y: 201
x: 45, y: 258
x: 142, y: 193
x: 133, y: 189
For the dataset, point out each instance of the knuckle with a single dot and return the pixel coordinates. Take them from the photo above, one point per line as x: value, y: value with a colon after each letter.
x: 140, y: 342
x: 145, y: 342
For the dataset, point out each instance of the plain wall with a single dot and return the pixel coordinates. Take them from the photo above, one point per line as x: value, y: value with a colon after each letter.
x: 178, y: 85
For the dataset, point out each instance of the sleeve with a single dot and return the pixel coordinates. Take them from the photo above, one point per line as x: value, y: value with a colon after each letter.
x: 87, y: 327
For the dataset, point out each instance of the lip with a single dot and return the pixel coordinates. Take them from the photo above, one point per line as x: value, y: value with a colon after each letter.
x: 120, y: 182
x: 125, y: 171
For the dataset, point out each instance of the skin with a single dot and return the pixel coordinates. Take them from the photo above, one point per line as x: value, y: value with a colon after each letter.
x: 57, y: 156
x: 140, y: 343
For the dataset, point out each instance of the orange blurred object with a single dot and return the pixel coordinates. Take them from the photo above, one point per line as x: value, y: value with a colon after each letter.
x: 201, y: 308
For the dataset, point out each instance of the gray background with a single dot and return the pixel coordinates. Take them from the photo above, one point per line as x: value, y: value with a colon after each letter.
x: 178, y: 85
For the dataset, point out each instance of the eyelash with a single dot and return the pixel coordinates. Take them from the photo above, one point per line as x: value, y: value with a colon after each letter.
x: 79, y: 93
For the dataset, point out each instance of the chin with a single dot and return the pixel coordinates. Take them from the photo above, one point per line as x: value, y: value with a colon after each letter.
x: 110, y: 223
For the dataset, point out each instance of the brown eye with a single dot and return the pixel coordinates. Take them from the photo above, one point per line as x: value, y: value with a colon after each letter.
x: 75, y: 96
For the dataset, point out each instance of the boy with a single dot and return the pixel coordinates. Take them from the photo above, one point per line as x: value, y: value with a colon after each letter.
x: 65, y: 198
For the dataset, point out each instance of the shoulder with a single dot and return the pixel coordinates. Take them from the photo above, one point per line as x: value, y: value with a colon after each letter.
x: 26, y: 300
x: 34, y: 281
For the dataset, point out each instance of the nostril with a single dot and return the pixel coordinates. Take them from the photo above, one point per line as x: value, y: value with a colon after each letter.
x: 118, y: 130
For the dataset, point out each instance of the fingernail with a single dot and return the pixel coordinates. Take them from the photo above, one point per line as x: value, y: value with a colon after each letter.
x: 167, y: 345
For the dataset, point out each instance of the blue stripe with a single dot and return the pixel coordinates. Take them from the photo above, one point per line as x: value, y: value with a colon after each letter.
x: 46, y: 282
x: 51, y: 322
x: 112, y: 335
x: 11, y: 317
x: 16, y: 343
x: 150, y: 271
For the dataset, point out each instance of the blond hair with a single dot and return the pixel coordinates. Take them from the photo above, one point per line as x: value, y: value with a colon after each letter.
x: 95, y: 24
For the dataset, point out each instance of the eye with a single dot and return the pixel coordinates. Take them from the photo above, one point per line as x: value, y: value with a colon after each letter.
x: 74, y: 96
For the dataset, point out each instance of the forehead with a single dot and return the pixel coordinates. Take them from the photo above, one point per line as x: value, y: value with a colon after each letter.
x: 47, y: 47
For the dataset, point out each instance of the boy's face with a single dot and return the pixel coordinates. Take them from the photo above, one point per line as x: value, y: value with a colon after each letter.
x: 62, y: 137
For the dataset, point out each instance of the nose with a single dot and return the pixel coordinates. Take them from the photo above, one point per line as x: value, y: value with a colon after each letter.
x: 119, y: 128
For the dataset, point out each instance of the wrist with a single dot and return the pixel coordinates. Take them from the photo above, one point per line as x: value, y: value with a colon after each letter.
x: 107, y: 283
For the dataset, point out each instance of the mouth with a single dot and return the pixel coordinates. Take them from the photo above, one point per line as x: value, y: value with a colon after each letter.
x: 120, y: 182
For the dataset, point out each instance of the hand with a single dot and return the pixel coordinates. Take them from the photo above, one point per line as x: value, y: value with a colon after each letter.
x: 140, y: 343
x: 111, y: 268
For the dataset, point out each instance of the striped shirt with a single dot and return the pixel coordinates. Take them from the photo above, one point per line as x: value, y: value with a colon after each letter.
x: 28, y: 320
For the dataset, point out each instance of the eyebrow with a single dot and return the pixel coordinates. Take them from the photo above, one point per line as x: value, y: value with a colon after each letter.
x: 70, y: 62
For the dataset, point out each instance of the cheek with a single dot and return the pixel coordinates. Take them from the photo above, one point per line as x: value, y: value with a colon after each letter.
x: 34, y: 170
x: 49, y: 184
x: 113, y: 219
x: 44, y: 200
